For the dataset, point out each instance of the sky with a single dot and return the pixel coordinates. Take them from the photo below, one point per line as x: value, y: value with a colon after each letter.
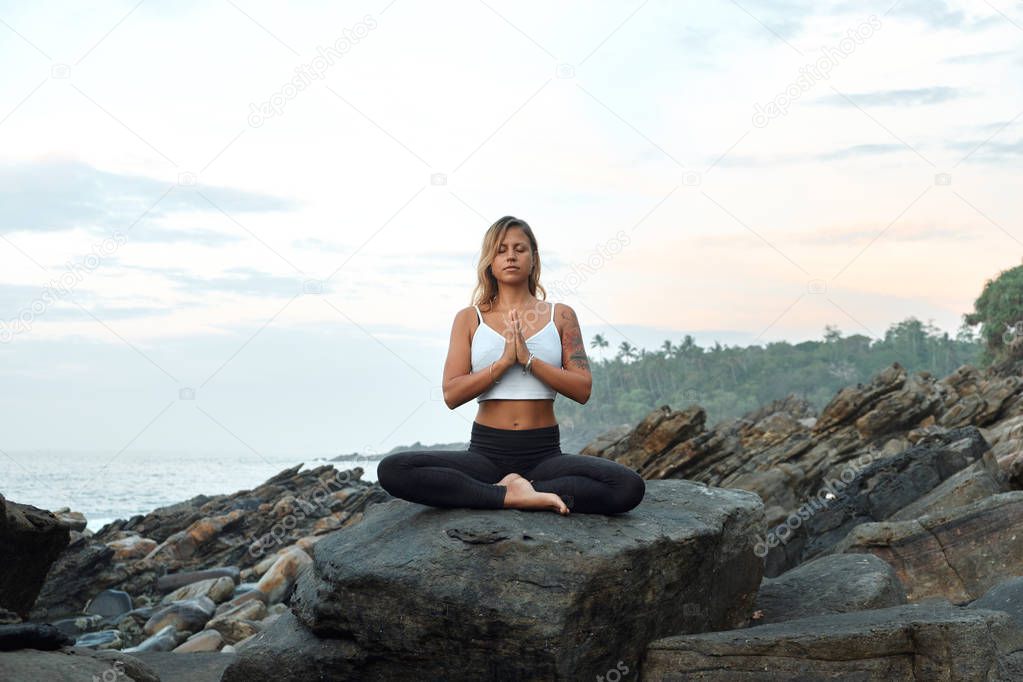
x: 246, y: 227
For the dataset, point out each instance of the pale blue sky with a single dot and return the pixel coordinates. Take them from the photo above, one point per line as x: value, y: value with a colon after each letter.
x: 888, y: 187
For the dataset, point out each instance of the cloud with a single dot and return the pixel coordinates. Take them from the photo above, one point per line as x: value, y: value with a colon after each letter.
x: 244, y: 281
x: 64, y: 195
x: 977, y: 57
x: 916, y: 96
x: 861, y: 150
x: 938, y: 14
x: 991, y: 151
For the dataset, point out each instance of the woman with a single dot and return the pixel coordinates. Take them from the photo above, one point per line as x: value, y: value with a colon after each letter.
x: 514, y: 458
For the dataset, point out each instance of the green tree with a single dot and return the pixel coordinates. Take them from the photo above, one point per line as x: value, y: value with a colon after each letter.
x: 999, y: 312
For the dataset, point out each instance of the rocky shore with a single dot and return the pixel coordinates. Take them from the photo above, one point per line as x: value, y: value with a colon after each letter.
x: 879, y: 539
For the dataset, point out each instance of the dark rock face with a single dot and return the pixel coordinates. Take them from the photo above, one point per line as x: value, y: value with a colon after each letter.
x: 873, y: 492
x: 928, y: 641
x: 469, y: 594
x: 836, y: 583
x: 30, y: 540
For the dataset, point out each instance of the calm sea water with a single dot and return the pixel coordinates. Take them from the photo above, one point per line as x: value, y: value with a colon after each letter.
x: 105, y: 488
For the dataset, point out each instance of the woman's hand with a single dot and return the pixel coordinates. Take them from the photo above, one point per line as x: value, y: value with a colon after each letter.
x: 521, y: 350
x: 508, y: 357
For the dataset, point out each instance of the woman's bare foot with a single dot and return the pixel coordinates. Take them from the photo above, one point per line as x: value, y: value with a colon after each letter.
x: 508, y: 479
x: 522, y: 495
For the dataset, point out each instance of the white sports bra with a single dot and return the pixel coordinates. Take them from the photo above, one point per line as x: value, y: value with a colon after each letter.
x: 487, y: 347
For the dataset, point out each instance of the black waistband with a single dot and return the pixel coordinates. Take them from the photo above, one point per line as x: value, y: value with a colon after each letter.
x: 515, y: 442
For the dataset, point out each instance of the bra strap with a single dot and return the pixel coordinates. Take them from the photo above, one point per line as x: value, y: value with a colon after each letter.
x: 552, y: 311
x: 478, y: 314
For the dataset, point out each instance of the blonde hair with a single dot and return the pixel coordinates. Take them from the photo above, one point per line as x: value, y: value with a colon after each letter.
x: 486, y: 284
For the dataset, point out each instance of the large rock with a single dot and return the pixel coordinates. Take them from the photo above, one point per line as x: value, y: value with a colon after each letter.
x: 465, y: 594
x: 30, y: 540
x: 873, y: 490
x: 835, y: 583
x: 74, y: 664
x: 981, y: 479
x: 957, y: 554
x: 1005, y: 596
x: 928, y: 641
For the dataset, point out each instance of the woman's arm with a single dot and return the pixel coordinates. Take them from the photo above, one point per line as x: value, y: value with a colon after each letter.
x: 461, y: 384
x: 575, y: 380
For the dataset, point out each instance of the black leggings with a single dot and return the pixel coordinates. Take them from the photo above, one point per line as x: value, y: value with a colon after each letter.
x: 466, y: 478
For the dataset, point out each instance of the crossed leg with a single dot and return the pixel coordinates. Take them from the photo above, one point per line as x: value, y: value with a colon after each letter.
x: 589, y: 485
x: 460, y: 478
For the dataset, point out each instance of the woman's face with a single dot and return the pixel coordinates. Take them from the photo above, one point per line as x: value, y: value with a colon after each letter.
x: 514, y: 258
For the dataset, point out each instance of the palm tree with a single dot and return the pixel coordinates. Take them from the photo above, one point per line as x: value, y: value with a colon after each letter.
x: 599, y: 342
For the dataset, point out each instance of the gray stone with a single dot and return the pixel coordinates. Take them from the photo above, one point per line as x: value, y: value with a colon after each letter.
x: 164, y: 640
x: 109, y: 603
x: 933, y: 640
x: 173, y: 581
x: 835, y: 583
x: 74, y: 664
x: 185, y: 616
x: 469, y: 594
x: 103, y: 639
x: 1005, y: 596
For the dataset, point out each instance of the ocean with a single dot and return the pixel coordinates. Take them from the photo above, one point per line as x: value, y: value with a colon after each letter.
x: 104, y: 487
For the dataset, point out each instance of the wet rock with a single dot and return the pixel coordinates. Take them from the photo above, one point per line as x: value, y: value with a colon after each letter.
x: 109, y: 603
x: 533, y: 595
x: 279, y: 580
x: 928, y: 641
x: 235, y: 630
x: 163, y: 640
x: 217, y: 589
x: 79, y: 625
x: 207, y: 640
x: 185, y: 616
x: 835, y: 583
x: 75, y: 521
x: 102, y: 639
x: 31, y: 539
x: 173, y: 581
x: 131, y: 547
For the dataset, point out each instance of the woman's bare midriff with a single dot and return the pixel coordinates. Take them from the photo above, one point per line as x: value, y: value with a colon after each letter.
x: 516, y: 414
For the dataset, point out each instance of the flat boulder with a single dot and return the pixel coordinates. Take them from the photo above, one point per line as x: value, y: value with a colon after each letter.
x: 934, y: 640
x: 834, y: 583
x: 469, y: 594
